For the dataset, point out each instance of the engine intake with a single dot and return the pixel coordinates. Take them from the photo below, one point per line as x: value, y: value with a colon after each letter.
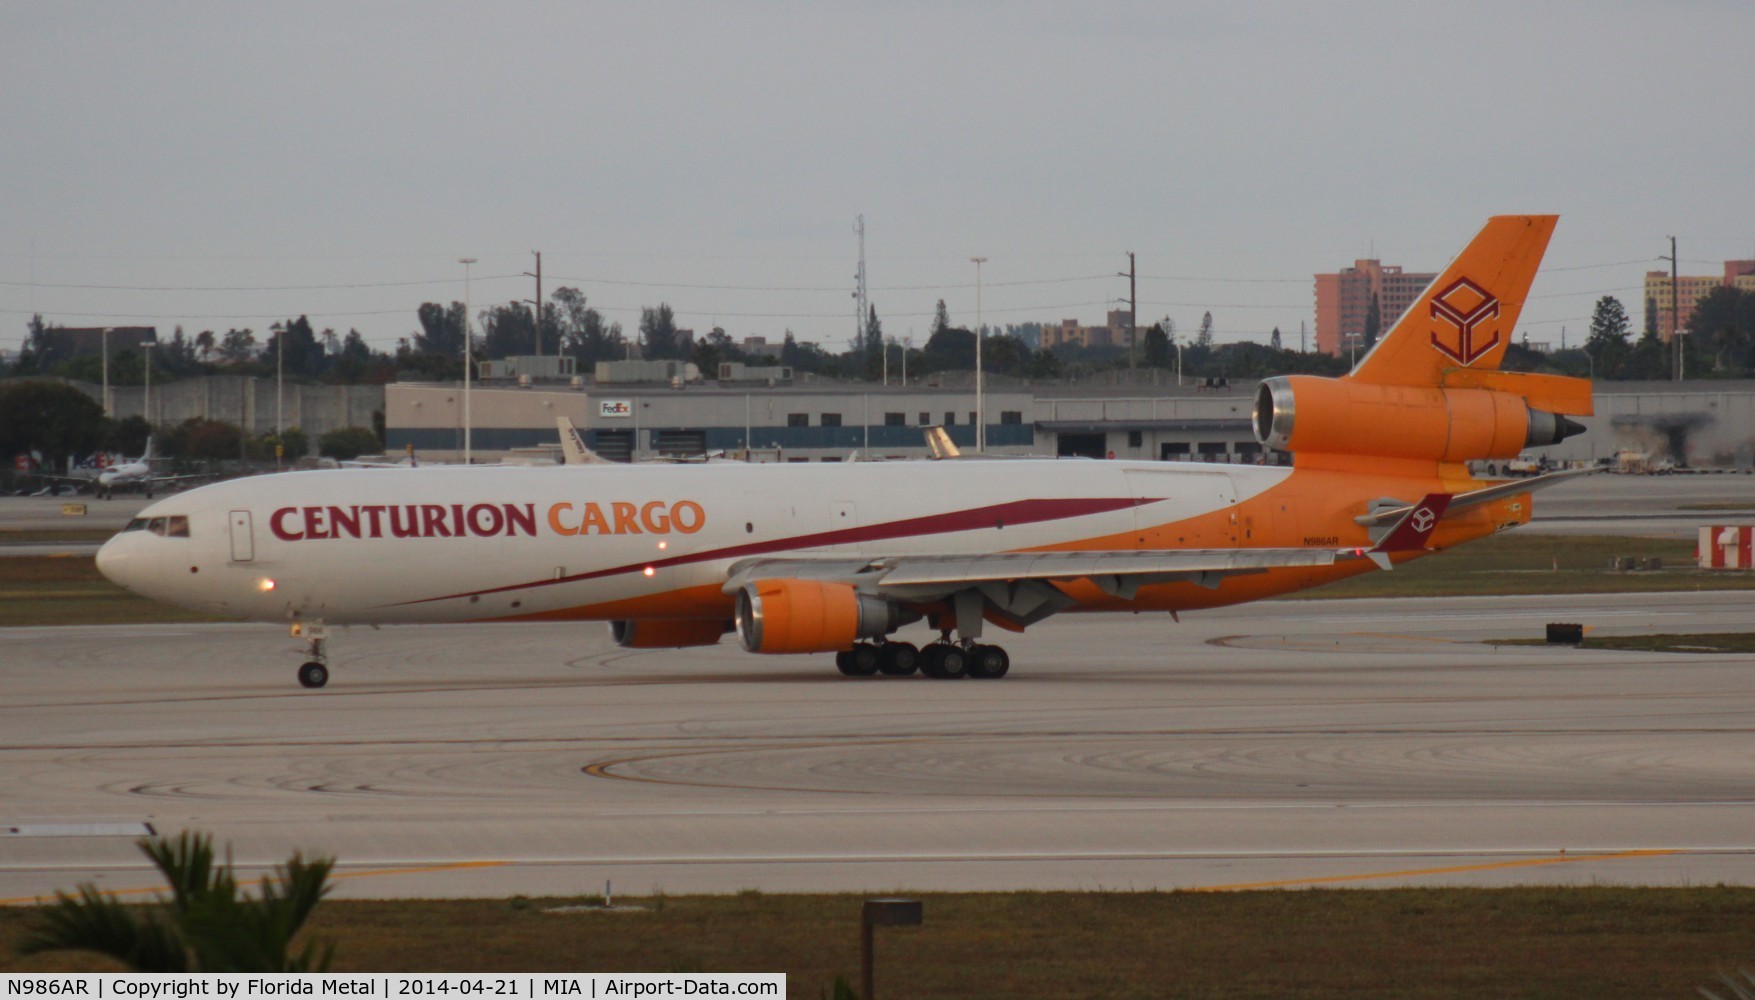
x: 809, y: 616
x: 1310, y: 414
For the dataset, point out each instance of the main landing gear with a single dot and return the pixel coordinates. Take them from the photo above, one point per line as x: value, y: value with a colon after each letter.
x: 945, y: 660
x: 315, y: 672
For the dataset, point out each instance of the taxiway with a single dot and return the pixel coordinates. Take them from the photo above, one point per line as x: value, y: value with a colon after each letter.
x: 1366, y: 743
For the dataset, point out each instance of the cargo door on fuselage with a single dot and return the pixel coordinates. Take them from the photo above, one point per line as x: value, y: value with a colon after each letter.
x: 243, y: 545
x: 1183, y: 509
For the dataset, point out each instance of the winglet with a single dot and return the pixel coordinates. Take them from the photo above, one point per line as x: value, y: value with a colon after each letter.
x: 1411, y: 532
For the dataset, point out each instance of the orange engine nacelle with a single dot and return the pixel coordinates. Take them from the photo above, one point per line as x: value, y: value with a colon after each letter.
x: 654, y: 633
x: 809, y: 616
x: 1315, y: 415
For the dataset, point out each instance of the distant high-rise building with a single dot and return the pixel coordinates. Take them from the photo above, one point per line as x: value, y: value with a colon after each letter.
x: 1691, y: 288
x: 1116, y: 333
x: 1343, y: 299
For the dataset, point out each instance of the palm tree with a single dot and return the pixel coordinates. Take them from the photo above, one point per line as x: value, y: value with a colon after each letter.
x: 205, y: 925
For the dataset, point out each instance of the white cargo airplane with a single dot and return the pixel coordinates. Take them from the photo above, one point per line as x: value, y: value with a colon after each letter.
x: 804, y: 558
x: 136, y: 474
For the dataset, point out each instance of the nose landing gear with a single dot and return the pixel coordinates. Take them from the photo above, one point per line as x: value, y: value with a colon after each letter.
x: 315, y: 672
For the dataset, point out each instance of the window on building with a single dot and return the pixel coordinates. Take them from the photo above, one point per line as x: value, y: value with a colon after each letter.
x: 895, y: 420
x: 830, y: 458
x: 972, y: 419
x: 830, y: 420
x: 1011, y: 416
x: 950, y: 418
x: 1136, y: 438
x: 798, y: 420
x: 925, y: 419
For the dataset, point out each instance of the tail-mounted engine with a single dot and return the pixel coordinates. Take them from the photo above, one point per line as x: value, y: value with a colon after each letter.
x: 810, y: 616
x: 1486, y: 415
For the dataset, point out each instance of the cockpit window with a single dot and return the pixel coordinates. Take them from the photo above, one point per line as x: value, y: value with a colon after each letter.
x: 174, y: 526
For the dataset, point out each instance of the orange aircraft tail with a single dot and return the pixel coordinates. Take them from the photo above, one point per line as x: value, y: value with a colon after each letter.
x: 1465, y: 318
x: 1431, y: 390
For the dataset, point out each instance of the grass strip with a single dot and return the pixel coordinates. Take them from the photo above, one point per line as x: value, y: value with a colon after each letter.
x: 1527, y: 563
x: 1596, y: 942
x: 46, y: 536
x: 69, y: 590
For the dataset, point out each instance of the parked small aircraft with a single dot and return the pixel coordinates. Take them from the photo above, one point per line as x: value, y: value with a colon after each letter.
x: 136, y: 474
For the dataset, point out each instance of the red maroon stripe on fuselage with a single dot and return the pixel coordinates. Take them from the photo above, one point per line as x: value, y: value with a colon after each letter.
x: 996, y: 516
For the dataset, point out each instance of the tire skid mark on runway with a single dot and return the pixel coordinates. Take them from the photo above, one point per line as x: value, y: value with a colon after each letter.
x: 1204, y: 767
x: 1320, y: 641
x: 1561, y: 859
x: 601, y: 769
x: 380, y: 688
x: 763, y: 741
x: 415, y: 869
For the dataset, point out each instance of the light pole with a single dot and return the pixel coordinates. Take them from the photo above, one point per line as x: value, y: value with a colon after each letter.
x: 279, y: 380
x: 468, y: 360
x: 146, y: 405
x: 106, y: 347
x: 980, y: 383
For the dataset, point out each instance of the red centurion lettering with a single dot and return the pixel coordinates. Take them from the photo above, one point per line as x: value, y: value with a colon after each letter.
x: 482, y: 520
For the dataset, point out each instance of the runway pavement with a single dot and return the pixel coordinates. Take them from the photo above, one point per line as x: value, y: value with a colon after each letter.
x: 1364, y: 743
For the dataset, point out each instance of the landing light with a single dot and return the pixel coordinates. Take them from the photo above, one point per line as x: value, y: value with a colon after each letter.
x: 265, y: 585
x: 650, y: 571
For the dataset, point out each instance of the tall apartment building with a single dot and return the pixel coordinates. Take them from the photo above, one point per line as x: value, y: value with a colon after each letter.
x: 1116, y: 333
x: 1344, y: 298
x: 1661, y: 292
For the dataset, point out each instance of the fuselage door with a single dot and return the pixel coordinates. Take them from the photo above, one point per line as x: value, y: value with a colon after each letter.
x: 243, y: 545
x: 1200, y: 511
x: 844, y: 525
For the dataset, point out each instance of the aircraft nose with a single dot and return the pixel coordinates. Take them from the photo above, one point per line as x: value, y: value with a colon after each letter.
x: 112, y: 561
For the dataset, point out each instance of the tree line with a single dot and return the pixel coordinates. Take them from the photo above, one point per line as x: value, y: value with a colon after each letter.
x: 1720, y: 343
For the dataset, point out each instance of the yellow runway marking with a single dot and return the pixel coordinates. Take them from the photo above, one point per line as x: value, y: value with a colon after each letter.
x: 410, y: 870
x: 1563, y: 859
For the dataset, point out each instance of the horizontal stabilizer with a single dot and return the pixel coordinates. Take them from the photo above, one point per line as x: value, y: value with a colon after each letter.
x: 1475, y: 498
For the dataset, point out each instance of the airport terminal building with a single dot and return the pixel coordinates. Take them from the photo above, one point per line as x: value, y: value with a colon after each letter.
x: 1702, y: 423
x: 1711, y: 423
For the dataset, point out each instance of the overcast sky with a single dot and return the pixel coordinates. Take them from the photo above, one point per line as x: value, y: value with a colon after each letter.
x: 714, y: 156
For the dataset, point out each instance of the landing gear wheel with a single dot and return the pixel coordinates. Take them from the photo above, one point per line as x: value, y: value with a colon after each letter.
x: 988, y: 662
x: 313, y: 675
x: 860, y: 661
x: 898, y: 659
x: 943, y: 661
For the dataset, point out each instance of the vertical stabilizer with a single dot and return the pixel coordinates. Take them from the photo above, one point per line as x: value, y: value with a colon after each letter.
x: 573, y: 450
x: 1466, y: 317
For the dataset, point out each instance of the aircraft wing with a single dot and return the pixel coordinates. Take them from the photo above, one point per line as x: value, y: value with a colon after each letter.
x: 1121, y: 573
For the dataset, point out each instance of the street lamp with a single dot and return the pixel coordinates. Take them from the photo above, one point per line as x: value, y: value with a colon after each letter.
x: 106, y: 349
x: 146, y: 405
x: 980, y: 383
x: 279, y: 392
x: 468, y: 359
